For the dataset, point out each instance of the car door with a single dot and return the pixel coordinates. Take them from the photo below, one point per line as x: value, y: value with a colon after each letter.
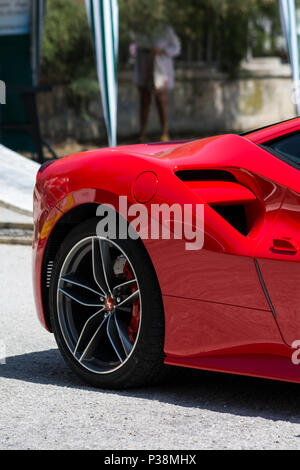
x: 278, y: 253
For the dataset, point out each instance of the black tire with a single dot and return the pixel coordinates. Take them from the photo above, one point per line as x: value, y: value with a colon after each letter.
x: 145, y: 363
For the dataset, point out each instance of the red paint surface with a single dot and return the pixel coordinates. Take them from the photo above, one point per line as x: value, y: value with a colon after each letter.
x: 221, y: 192
x: 196, y: 328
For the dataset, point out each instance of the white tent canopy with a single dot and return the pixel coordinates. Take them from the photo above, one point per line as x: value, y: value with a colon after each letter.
x: 103, y: 18
x: 288, y: 13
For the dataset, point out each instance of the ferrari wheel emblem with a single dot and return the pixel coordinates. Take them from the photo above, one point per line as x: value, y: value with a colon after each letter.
x: 109, y: 304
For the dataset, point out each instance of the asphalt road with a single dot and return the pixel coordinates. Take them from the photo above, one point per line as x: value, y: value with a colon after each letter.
x: 44, y: 406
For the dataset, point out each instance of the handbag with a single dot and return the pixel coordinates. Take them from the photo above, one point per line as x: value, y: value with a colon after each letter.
x: 160, y: 73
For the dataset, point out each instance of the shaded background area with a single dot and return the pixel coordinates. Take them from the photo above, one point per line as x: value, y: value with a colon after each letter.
x: 232, y: 65
x: 15, y: 71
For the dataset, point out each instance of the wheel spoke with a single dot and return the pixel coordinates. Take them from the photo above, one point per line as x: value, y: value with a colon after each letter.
x: 130, y: 299
x: 70, y: 279
x: 124, y: 285
x: 80, y: 299
x: 107, y: 265
x: 87, y: 330
x: 92, y: 345
x: 98, y: 267
x: 114, y: 338
x: 123, y: 334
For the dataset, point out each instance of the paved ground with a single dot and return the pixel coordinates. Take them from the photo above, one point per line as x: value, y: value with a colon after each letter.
x: 43, y: 406
x: 15, y: 227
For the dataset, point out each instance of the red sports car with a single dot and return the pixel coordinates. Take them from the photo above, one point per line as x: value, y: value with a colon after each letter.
x: 124, y: 304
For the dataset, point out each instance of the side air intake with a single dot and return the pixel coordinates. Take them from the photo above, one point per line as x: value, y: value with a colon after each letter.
x: 205, y: 175
x: 233, y: 201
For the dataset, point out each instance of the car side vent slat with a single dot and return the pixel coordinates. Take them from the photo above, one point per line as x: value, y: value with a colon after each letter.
x: 205, y: 175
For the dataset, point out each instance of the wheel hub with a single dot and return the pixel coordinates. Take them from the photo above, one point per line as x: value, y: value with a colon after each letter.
x: 109, y: 304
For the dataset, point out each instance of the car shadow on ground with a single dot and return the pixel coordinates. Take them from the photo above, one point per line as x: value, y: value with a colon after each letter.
x: 221, y: 393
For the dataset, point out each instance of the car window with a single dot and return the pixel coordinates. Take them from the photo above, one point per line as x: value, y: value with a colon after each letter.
x: 288, y: 148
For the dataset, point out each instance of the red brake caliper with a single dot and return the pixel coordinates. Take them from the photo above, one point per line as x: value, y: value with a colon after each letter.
x: 133, y: 327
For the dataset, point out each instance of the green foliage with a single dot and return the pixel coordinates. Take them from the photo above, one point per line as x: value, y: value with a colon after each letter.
x: 68, y: 56
x: 225, y: 25
x: 84, y: 86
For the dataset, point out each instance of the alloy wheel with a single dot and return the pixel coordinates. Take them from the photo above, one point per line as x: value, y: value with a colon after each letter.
x: 99, y: 305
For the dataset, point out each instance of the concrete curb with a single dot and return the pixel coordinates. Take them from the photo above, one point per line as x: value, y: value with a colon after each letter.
x: 15, y: 241
x: 16, y: 225
x: 10, y: 227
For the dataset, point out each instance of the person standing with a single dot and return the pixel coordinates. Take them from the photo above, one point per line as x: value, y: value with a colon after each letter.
x: 154, y: 73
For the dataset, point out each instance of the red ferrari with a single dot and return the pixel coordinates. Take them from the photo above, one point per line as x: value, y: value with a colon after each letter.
x: 123, y: 307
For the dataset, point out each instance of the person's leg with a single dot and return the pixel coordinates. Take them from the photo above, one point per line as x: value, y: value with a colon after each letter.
x: 145, y: 103
x: 162, y: 107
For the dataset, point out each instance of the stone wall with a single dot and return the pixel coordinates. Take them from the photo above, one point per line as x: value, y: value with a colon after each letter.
x: 204, y: 102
